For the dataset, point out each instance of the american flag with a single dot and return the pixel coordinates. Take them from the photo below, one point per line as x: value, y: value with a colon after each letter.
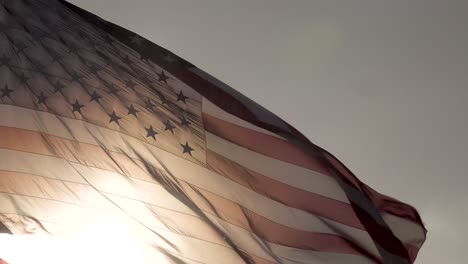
x: 111, y: 140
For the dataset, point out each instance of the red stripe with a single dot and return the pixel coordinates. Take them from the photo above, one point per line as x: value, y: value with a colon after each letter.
x: 263, y: 143
x: 412, y: 252
x: 293, y: 197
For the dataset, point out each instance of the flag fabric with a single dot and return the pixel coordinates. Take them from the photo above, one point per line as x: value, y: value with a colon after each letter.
x: 107, y: 137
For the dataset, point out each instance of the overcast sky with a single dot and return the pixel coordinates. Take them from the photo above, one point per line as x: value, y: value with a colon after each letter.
x: 381, y: 84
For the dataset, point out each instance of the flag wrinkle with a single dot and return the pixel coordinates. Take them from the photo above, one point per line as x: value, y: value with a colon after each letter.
x: 108, y: 137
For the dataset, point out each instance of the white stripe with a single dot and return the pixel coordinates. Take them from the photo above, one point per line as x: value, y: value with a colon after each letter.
x: 408, y: 232
x: 46, y: 166
x: 193, y: 248
x: 68, y: 192
x: 49, y: 210
x: 209, y: 108
x: 115, y: 183
x: 284, y: 172
x: 297, y: 256
x: 12, y: 116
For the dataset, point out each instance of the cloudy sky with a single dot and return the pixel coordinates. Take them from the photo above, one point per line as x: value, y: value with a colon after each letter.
x: 381, y: 84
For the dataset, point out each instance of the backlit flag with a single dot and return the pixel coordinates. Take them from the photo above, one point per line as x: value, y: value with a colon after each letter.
x: 125, y: 153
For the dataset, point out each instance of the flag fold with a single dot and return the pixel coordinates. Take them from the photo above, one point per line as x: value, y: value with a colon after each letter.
x: 122, y: 149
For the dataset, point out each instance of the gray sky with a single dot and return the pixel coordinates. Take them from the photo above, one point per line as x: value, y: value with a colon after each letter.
x: 381, y: 84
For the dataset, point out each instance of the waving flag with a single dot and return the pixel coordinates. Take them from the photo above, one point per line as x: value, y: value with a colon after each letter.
x: 108, y: 141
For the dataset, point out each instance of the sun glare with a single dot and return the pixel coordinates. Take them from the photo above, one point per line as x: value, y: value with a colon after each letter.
x: 103, y: 241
